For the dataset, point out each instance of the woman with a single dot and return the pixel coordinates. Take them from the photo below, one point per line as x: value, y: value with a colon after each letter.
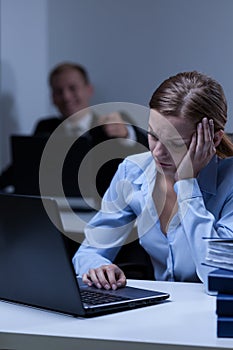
x: 179, y: 192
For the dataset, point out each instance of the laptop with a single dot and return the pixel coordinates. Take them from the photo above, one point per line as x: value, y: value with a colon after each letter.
x: 26, y: 157
x: 36, y: 267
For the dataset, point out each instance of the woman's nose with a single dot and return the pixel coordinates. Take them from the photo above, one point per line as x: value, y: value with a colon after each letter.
x: 160, y: 149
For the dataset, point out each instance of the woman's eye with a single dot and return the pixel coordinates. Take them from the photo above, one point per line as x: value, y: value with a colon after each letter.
x: 178, y: 145
x: 152, y: 136
x: 174, y: 145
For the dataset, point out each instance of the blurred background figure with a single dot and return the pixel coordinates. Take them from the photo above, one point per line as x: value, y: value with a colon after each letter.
x: 71, y: 93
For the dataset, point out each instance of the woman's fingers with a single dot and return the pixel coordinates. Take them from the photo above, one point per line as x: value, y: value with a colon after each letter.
x: 116, y: 276
x: 211, y: 123
x: 105, y: 276
x: 200, y: 137
x: 97, y: 276
x: 205, y: 139
x: 87, y: 280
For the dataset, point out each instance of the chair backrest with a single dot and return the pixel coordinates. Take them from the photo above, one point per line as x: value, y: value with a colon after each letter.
x: 134, y: 260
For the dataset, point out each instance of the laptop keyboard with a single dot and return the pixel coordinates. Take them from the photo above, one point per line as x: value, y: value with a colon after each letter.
x: 96, y: 298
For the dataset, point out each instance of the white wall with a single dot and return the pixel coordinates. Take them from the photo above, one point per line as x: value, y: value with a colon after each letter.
x: 24, y: 65
x: 128, y: 46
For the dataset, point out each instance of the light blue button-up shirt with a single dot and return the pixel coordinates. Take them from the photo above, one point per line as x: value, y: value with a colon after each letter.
x: 205, y: 209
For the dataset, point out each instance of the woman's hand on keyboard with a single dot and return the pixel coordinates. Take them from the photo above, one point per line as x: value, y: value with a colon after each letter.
x: 105, y: 276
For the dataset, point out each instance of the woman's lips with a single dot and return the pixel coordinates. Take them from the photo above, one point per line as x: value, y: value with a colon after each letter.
x: 163, y: 165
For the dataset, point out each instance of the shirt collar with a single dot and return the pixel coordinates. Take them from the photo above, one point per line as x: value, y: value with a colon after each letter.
x: 146, y: 179
x: 207, y: 178
x: 81, y: 125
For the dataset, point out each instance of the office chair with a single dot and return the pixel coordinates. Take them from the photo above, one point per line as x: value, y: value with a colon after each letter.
x: 134, y: 260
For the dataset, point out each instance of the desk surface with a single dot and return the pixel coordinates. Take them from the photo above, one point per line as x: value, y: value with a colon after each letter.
x: 188, y: 320
x: 75, y: 221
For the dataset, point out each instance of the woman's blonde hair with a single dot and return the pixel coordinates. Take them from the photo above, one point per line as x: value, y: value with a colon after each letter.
x: 193, y: 96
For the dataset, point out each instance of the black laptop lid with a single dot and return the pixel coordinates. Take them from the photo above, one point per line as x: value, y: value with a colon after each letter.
x: 29, y: 242
x: 26, y: 154
x: 26, y: 157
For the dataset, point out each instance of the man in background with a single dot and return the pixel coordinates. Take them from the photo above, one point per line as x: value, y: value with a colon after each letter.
x: 71, y: 92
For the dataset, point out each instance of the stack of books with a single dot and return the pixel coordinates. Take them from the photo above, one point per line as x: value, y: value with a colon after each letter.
x: 220, y: 280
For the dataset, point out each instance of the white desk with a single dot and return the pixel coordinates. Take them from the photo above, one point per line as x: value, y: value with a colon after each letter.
x: 74, y: 223
x: 187, y: 321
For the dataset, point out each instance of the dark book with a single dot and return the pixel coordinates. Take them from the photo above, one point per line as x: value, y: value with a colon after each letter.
x: 220, y: 281
x: 224, y: 305
x: 225, y: 327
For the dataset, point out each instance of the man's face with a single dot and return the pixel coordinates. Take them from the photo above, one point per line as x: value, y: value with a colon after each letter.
x: 70, y: 92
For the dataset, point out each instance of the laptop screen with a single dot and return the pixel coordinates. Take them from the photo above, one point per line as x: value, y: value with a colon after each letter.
x: 26, y: 155
x: 35, y: 266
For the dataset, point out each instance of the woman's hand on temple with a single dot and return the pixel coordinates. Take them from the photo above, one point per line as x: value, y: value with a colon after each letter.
x: 105, y: 276
x: 200, y: 151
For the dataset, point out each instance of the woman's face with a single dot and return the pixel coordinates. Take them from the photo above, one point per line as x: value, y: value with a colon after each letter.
x: 169, y: 139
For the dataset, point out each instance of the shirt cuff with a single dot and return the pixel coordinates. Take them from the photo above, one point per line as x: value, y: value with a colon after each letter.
x: 187, y: 188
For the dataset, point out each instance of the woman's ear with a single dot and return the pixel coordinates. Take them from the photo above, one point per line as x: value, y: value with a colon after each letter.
x: 218, y: 137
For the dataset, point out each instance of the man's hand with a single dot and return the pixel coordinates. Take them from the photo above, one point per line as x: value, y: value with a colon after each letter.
x: 114, y: 125
x: 105, y: 276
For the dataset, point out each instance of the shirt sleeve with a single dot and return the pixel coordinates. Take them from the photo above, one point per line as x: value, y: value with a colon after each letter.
x: 198, y: 222
x: 109, y: 228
